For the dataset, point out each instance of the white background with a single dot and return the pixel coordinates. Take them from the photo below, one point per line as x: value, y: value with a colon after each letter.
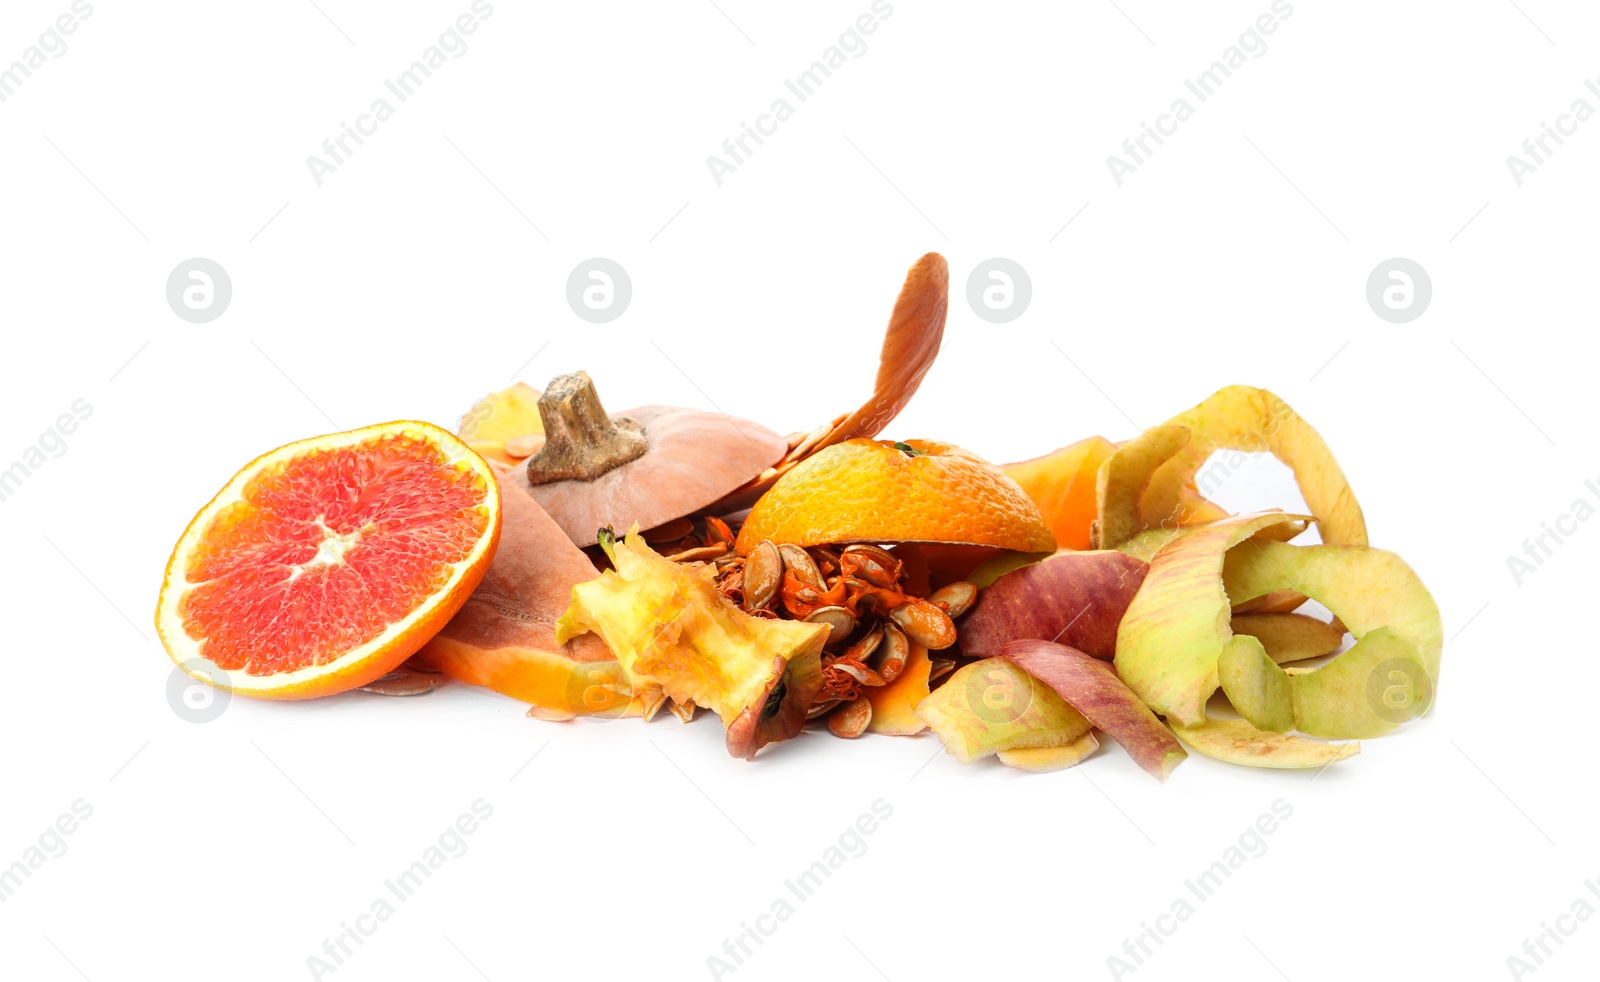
x: 414, y: 279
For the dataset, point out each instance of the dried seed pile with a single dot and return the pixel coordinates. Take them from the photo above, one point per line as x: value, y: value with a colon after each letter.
x: 860, y: 591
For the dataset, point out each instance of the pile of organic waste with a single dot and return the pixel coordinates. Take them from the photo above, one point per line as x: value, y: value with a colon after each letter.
x: 592, y: 564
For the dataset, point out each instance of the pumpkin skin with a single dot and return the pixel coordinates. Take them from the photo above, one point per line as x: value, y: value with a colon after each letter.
x: 694, y: 458
x: 504, y: 636
x: 910, y: 344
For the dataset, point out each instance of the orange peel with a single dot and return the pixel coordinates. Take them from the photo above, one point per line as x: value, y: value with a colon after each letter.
x: 917, y: 491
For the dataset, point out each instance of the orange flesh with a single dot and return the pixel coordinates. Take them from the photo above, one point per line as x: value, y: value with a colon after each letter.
x: 325, y: 551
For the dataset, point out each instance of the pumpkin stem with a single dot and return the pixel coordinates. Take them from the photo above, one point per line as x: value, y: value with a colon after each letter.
x: 581, y: 441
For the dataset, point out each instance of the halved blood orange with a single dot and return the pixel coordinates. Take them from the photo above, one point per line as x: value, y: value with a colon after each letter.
x: 326, y: 563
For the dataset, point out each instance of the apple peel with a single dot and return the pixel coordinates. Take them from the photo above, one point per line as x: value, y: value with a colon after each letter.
x: 1289, y: 637
x: 1365, y: 588
x: 992, y: 705
x: 987, y: 572
x: 1257, y: 687
x: 675, y: 636
x: 499, y: 417
x: 1077, y: 598
x: 1178, y: 623
x: 1043, y: 760
x: 1251, y: 420
x: 1365, y: 692
x: 1091, y: 687
x: 1236, y: 741
x: 1120, y: 485
x: 1145, y: 544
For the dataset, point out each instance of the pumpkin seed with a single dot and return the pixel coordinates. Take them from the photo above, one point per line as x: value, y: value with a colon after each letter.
x: 550, y: 715
x: 811, y: 440
x: 860, y: 673
x: 874, y: 565
x: 763, y: 573
x: 700, y: 554
x: 797, y: 561
x: 717, y: 531
x: 925, y: 624
x: 959, y: 596
x: 821, y: 708
x: 850, y: 720
x: 863, y: 649
x: 669, y: 532
x: 896, y: 651
x: 403, y: 682
x: 839, y: 620
x: 525, y: 445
